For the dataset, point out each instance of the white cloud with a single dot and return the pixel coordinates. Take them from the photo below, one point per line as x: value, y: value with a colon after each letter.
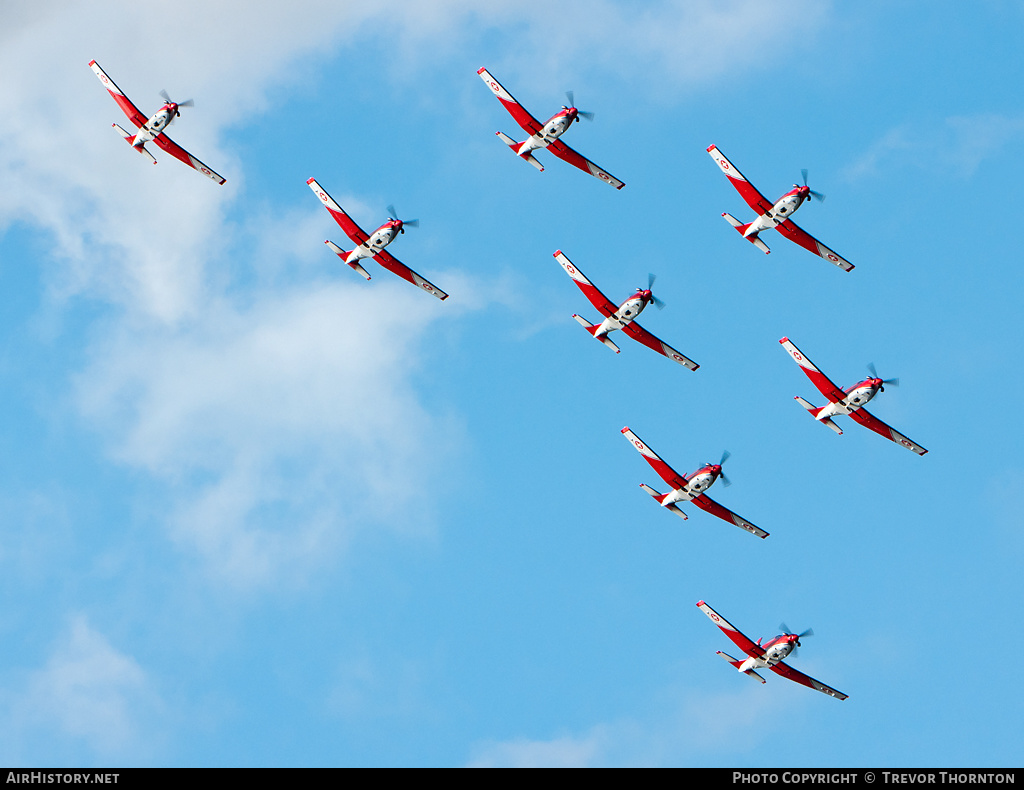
x: 959, y: 145
x: 281, y: 419
x: 281, y: 426
x: 88, y: 695
x: 685, y: 727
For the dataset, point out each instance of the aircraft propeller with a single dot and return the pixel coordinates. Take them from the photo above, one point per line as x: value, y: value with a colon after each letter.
x: 874, y: 374
x: 166, y: 98
x: 817, y: 195
x: 787, y: 632
x: 725, y: 457
x: 579, y: 113
x: 650, y: 281
x: 392, y: 214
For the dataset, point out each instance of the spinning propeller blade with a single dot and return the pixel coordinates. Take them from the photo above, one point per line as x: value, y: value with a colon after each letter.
x: 787, y: 632
x: 874, y: 374
x: 572, y: 105
x: 725, y: 480
x: 650, y: 281
x: 392, y: 214
x: 816, y: 195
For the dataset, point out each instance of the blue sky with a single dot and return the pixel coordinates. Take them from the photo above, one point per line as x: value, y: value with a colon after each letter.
x: 257, y: 511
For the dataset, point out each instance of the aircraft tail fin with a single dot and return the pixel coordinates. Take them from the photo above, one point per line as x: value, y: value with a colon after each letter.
x: 753, y: 238
x: 130, y: 139
x: 815, y: 411
x: 737, y: 662
x: 592, y: 328
x: 343, y: 255
x: 515, y: 149
x: 660, y: 499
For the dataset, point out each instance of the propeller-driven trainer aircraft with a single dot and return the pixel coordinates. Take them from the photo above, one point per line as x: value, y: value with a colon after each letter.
x: 849, y: 401
x: 152, y: 128
x: 768, y: 655
x: 690, y: 488
x: 775, y: 215
x: 372, y: 245
x: 622, y: 317
x: 545, y: 135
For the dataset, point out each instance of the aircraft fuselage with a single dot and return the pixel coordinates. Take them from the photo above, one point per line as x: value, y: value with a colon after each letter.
x: 783, y: 209
x: 556, y: 126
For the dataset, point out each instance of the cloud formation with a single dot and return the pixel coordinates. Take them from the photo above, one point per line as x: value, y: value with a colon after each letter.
x: 89, y: 695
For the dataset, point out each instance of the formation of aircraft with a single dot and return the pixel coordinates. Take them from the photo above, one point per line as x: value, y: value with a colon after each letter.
x: 622, y: 317
x: 850, y: 401
x: 769, y: 655
x: 683, y: 488
x: 774, y: 215
x: 152, y: 128
x: 545, y: 135
x: 691, y: 487
x: 372, y: 245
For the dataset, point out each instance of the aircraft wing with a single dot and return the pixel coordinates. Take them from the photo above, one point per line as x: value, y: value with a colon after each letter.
x: 704, y: 502
x: 742, y: 642
x: 352, y: 230
x: 754, y: 199
x: 782, y: 668
x: 182, y: 155
x: 665, y: 472
x: 117, y: 94
x: 393, y: 265
x: 591, y: 291
x: 819, y: 379
x: 869, y: 420
x: 795, y: 233
x: 641, y: 335
x: 523, y: 118
x: 567, y: 154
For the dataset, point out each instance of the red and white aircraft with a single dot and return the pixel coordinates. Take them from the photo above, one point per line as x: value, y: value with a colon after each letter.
x: 768, y: 655
x: 545, y: 135
x: 622, y: 317
x: 690, y: 488
x: 849, y: 401
x: 152, y: 128
x: 775, y: 215
x: 372, y: 245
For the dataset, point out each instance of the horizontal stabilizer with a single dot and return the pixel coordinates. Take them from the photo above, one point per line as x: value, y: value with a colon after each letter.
x: 753, y: 238
x: 661, y: 498
x: 515, y: 149
x: 343, y: 255
x: 592, y: 328
x: 815, y: 411
x: 130, y: 139
x: 736, y: 663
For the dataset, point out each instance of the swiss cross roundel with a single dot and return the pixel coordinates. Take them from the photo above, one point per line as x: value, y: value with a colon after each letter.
x: 832, y: 257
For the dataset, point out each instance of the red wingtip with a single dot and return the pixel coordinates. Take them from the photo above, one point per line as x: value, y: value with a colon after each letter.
x: 784, y: 340
x: 700, y: 603
x: 709, y: 148
x: 481, y: 70
x: 310, y: 180
x: 556, y: 253
x: 624, y: 429
x: 92, y: 63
